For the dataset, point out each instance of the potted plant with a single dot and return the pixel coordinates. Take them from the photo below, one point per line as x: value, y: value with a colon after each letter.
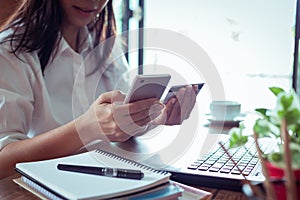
x: 282, y: 124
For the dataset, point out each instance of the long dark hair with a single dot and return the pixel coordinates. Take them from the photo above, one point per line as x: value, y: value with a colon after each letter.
x: 36, y: 26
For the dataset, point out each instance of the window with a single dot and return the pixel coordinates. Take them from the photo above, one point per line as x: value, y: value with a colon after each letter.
x: 129, y: 17
x: 251, y: 44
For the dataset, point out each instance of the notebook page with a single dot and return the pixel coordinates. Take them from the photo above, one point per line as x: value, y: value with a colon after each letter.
x: 73, y: 185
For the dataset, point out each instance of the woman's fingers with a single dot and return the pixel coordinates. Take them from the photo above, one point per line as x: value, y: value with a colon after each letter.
x: 138, y: 110
x: 174, y: 115
x: 188, y: 102
x: 182, y: 105
x: 133, y: 117
x: 111, y: 97
x: 147, y: 113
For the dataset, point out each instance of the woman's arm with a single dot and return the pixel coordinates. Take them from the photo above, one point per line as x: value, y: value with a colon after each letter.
x: 105, y: 120
x: 58, y: 142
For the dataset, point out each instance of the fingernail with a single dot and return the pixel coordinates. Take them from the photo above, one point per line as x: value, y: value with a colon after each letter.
x: 159, y: 106
x: 156, y: 101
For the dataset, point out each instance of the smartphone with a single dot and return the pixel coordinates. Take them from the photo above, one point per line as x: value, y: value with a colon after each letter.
x: 174, y: 89
x: 147, y: 86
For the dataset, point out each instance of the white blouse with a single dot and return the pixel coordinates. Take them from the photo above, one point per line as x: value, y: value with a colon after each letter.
x: 32, y: 103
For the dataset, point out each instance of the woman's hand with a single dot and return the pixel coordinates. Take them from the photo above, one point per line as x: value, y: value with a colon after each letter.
x: 178, y: 109
x: 108, y: 119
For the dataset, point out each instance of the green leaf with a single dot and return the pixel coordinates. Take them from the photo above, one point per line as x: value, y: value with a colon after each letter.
x: 236, y: 137
x: 261, y: 128
x: 295, y: 151
x: 281, y: 114
x: 295, y: 134
x: 292, y: 116
x: 286, y: 101
x: 276, y: 158
x: 276, y: 90
x: 237, y: 141
x: 263, y: 112
x: 264, y: 128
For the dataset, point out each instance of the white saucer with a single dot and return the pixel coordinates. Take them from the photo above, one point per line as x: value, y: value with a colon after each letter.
x: 235, y: 122
x: 239, y: 117
x: 225, y: 123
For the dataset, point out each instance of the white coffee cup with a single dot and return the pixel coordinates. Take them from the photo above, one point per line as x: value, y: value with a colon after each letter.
x: 224, y: 110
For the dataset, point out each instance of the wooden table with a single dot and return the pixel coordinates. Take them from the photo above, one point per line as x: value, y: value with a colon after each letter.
x: 11, y: 191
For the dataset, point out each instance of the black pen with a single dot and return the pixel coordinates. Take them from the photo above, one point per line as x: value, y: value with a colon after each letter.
x: 103, y: 171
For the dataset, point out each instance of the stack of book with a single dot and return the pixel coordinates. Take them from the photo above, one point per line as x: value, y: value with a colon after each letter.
x: 99, y: 175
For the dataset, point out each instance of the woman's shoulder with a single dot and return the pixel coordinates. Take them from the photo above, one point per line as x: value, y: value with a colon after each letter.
x: 24, y: 60
x: 4, y: 38
x: 6, y: 44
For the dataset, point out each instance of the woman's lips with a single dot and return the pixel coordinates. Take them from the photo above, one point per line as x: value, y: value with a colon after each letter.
x: 85, y: 11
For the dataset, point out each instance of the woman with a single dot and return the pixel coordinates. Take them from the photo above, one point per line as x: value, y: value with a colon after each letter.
x: 42, y: 49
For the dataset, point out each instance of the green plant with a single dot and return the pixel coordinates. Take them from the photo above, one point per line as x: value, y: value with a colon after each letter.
x: 269, y: 124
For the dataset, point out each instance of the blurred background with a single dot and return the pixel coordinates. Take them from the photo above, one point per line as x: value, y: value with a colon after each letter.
x: 251, y: 43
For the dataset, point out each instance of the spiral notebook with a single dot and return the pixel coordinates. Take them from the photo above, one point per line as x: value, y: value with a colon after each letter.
x: 45, y: 177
